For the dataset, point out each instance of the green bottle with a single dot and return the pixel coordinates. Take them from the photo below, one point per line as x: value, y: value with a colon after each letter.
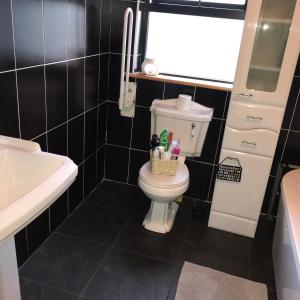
x: 164, y: 139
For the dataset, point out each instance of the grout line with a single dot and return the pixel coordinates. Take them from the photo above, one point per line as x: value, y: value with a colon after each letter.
x: 48, y: 285
x: 15, y: 63
x: 51, y: 63
x: 289, y: 129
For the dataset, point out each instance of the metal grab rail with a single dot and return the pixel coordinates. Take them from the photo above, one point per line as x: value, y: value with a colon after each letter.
x: 126, y: 44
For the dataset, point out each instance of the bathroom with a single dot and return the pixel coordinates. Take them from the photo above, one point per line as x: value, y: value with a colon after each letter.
x: 60, y: 64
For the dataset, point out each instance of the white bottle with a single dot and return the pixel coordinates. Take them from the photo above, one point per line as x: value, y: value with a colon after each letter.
x: 149, y: 67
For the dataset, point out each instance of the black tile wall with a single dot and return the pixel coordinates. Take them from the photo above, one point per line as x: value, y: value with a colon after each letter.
x: 28, y: 32
x: 54, y: 90
x: 6, y: 37
x: 55, y: 31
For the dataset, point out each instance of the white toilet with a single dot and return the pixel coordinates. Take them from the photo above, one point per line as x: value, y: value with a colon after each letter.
x: 191, y: 128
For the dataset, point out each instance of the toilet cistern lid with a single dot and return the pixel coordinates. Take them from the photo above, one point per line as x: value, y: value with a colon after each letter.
x: 163, y: 181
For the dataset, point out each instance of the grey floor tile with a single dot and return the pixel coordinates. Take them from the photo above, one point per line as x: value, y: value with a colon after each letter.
x: 31, y: 290
x: 64, y: 263
x: 95, y: 223
x: 165, y: 246
x: 217, y: 250
x: 261, y: 264
x: 117, y: 195
x: 123, y: 275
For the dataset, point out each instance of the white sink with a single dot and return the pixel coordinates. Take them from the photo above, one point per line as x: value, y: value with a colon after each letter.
x: 30, y: 180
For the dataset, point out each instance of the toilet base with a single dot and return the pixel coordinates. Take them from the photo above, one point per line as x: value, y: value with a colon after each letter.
x: 161, y: 216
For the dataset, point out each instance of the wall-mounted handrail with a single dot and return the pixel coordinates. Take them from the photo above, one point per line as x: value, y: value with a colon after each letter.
x: 128, y: 21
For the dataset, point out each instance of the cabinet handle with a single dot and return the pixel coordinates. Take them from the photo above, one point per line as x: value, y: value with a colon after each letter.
x: 244, y: 95
x: 254, y: 118
x: 249, y: 143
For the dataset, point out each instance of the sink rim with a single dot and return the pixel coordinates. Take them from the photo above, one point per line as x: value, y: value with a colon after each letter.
x: 22, y: 211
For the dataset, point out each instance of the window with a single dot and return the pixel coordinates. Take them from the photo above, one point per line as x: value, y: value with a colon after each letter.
x: 196, y: 39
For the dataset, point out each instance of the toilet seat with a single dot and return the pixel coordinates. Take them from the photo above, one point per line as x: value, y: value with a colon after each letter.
x: 162, y: 181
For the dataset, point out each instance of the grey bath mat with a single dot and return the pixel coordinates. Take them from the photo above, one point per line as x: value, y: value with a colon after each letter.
x: 201, y: 283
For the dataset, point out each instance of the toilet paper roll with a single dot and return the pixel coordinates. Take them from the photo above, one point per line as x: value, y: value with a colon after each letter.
x: 184, y: 102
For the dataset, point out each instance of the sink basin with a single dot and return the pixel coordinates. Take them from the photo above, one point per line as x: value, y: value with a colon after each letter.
x: 30, y: 180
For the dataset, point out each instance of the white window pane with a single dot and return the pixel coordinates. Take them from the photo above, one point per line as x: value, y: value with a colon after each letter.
x: 237, y: 2
x: 200, y: 47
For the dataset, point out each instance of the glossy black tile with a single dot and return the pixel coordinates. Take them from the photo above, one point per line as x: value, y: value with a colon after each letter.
x: 91, y: 81
x: 28, y: 32
x: 290, y: 107
x: 260, y: 264
x: 76, y: 87
x: 31, y: 290
x: 132, y: 276
x: 75, y: 139
x: 173, y: 90
x: 265, y: 229
x: 76, y: 190
x: 21, y: 247
x: 58, y: 140
x: 76, y: 42
x: 212, y: 98
x: 210, y: 145
x: 104, y: 77
x: 100, y: 163
x: 136, y: 238
x: 38, y: 231
x: 200, y: 176
x: 117, y: 20
x: 292, y: 149
x: 55, y: 29
x: 116, y: 163
x: 137, y: 159
x: 141, y: 129
x: 114, y: 77
x: 9, y: 122
x: 106, y: 7
x: 295, y: 125
x: 279, y: 149
x: 56, y: 94
x: 90, y: 174
x: 94, y: 223
x: 147, y: 91
x: 118, y: 127
x: 116, y: 195
x: 102, y: 118
x: 297, y: 71
x: 31, y: 87
x: 70, y: 263
x: 268, y: 195
x: 218, y: 250
x: 90, y: 132
x: 92, y: 26
x: 58, y: 211
x: 42, y: 141
x: 7, y: 61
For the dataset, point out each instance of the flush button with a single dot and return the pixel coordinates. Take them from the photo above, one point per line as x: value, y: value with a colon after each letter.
x: 193, y: 133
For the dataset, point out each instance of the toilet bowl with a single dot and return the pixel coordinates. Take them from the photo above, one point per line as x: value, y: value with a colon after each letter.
x: 163, y: 192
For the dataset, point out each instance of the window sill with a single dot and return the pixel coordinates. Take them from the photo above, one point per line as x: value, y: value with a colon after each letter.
x: 185, y: 81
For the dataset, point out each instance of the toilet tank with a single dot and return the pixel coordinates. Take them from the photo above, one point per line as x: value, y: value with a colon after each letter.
x: 188, y: 126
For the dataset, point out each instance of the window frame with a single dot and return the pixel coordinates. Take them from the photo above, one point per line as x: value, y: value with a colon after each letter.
x: 203, y: 9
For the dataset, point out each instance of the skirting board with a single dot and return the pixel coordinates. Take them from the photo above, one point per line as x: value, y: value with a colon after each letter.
x: 232, y: 224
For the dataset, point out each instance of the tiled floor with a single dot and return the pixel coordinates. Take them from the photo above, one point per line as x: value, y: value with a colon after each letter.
x: 103, y: 252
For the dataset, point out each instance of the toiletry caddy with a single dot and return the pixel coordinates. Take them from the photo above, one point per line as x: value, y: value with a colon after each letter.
x: 163, y: 166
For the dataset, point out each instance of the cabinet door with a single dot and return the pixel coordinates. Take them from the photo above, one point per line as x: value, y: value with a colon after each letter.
x: 243, y: 199
x: 269, y: 52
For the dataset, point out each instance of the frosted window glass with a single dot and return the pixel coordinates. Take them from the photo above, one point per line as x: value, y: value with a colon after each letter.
x: 193, y: 46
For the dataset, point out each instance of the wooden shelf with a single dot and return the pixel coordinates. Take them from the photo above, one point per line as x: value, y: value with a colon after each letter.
x: 185, y: 81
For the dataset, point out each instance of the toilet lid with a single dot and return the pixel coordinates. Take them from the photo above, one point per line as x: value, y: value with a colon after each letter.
x: 163, y: 181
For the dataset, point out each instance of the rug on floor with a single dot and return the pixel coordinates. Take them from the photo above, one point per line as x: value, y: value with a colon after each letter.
x: 197, y: 282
